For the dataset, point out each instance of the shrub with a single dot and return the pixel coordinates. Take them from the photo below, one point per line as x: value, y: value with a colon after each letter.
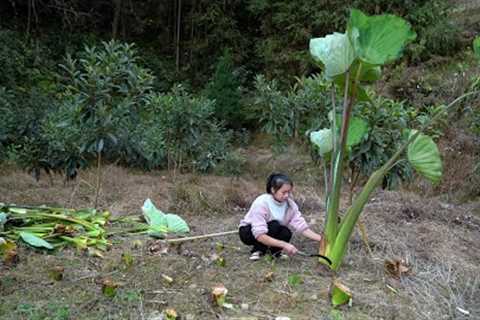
x: 20, y: 127
x: 101, y: 101
x: 284, y: 116
x: 186, y: 128
x: 386, y: 119
x: 224, y: 88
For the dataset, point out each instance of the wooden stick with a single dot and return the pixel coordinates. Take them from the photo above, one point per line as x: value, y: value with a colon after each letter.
x: 203, y: 236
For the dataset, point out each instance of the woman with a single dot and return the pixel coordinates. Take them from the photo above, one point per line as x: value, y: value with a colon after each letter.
x: 266, y: 226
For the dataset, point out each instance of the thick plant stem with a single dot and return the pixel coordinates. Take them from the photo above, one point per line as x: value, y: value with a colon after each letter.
x: 353, y: 213
x: 334, y: 136
x: 333, y: 202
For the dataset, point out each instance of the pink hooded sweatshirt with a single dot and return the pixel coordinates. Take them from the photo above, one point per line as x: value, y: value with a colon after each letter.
x: 259, y: 215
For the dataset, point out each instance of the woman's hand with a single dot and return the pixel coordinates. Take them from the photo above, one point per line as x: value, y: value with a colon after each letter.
x: 312, y: 235
x: 289, y: 249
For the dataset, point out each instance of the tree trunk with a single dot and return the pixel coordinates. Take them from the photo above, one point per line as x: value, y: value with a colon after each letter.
x: 117, y: 7
x: 99, y: 178
x: 179, y: 19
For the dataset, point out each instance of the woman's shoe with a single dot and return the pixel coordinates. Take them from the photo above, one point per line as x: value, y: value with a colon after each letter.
x: 256, y: 255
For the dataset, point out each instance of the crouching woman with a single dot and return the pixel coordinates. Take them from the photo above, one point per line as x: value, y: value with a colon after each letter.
x: 267, y: 225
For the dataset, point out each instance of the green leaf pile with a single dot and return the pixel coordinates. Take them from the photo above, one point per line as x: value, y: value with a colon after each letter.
x: 162, y: 223
x: 48, y: 227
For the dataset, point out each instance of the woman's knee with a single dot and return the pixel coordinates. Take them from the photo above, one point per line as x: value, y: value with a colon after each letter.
x: 285, y: 234
x: 274, y: 227
x: 246, y: 235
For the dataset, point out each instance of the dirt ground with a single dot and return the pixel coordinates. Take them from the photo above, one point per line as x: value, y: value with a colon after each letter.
x: 439, y: 241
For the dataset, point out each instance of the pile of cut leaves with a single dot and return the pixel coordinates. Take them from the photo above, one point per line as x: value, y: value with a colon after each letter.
x: 154, y: 222
x: 50, y: 228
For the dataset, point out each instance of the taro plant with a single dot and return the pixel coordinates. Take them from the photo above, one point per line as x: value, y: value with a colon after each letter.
x: 350, y: 61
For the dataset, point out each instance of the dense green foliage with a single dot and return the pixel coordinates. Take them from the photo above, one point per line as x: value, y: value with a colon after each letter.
x: 290, y: 114
x: 225, y: 89
x: 183, y: 39
x: 103, y: 106
x: 183, y: 127
x: 104, y: 100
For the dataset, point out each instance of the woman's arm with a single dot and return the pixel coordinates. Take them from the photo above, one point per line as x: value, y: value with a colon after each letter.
x: 272, y: 242
x: 312, y: 235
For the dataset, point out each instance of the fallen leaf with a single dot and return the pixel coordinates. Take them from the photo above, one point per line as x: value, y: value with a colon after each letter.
x: 269, y: 276
x: 159, y: 247
x: 8, y: 252
x: 396, y: 268
x: 92, y: 252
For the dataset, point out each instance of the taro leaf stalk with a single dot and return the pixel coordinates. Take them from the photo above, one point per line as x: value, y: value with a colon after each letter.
x: 350, y: 60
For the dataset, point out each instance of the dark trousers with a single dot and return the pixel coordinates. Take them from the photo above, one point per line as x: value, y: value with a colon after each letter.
x: 275, y: 230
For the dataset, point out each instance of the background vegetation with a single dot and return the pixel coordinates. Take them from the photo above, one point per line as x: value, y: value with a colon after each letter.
x: 182, y: 83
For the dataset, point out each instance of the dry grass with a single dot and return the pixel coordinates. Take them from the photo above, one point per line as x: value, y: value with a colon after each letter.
x: 439, y: 240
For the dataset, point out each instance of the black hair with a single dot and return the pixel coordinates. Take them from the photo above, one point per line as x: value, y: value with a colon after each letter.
x: 276, y: 180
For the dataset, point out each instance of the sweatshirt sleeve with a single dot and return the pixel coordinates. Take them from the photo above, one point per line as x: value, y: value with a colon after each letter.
x: 297, y: 222
x: 258, y: 220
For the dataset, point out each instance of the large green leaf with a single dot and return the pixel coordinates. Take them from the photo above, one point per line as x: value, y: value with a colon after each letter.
x: 153, y: 216
x: 368, y: 73
x: 322, y: 139
x: 35, y: 241
x: 334, y: 51
x: 161, y: 223
x: 424, y: 156
x: 476, y: 47
x: 176, y: 224
x: 357, y: 129
x: 378, y: 39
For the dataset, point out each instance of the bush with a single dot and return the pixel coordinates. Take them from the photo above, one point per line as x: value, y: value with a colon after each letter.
x: 284, y: 116
x: 436, y: 34
x: 224, y: 89
x: 186, y: 128
x: 101, y: 100
x: 271, y: 110
x: 20, y: 127
x: 387, y: 121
